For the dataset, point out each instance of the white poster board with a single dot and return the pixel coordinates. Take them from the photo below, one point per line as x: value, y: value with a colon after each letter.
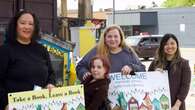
x: 143, y: 91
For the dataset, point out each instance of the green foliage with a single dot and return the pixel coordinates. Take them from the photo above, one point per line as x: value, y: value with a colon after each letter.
x: 178, y: 3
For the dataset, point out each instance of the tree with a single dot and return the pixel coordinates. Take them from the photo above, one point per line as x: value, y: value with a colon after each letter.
x: 178, y: 3
x: 154, y: 4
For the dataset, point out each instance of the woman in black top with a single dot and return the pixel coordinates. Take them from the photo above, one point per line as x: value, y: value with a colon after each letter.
x: 24, y: 64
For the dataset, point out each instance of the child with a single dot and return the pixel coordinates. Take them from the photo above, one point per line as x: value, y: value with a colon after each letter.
x: 96, y: 85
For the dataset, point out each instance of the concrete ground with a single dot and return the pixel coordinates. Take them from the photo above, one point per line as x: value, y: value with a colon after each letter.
x: 189, y: 53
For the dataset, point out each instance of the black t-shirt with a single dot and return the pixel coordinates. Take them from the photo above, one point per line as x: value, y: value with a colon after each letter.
x: 168, y: 66
x: 22, y: 67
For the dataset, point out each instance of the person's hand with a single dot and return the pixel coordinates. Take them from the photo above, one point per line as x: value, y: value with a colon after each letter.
x: 86, y: 75
x: 159, y: 69
x: 50, y: 86
x: 7, y: 107
x: 126, y: 70
x: 175, y: 107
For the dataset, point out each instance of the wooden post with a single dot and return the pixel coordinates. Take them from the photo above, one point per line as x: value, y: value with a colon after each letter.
x: 85, y: 9
x: 64, y: 27
x: 64, y: 8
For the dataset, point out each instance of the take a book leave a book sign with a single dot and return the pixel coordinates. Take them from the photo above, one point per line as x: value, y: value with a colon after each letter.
x: 143, y: 91
x: 64, y: 98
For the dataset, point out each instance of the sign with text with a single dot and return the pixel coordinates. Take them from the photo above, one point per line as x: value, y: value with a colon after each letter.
x: 143, y: 91
x: 64, y: 98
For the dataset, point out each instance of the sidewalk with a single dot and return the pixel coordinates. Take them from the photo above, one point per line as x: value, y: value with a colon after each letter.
x: 189, y: 54
x: 190, y: 101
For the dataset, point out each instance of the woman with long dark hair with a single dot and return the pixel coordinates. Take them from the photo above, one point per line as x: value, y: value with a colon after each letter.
x: 169, y: 58
x: 24, y: 64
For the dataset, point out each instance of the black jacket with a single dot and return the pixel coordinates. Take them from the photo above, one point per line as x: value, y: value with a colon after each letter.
x: 22, y: 67
x: 96, y: 93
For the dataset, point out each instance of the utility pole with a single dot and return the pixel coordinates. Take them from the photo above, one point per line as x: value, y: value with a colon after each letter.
x: 85, y: 9
x: 113, y: 12
x: 64, y: 8
x: 64, y: 27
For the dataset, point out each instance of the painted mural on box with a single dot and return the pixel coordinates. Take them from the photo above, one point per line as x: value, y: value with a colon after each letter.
x: 61, y: 49
x: 143, y: 91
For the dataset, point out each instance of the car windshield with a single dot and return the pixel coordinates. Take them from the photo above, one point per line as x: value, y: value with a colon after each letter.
x: 132, y: 40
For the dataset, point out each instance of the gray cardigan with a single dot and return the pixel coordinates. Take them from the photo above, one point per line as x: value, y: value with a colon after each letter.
x: 125, y: 57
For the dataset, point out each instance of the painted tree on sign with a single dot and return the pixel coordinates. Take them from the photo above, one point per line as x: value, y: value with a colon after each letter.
x: 178, y: 3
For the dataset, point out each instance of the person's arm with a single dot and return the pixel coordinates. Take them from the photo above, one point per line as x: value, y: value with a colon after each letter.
x: 98, y: 99
x: 83, y: 66
x: 4, y: 61
x: 136, y: 64
x: 185, y: 81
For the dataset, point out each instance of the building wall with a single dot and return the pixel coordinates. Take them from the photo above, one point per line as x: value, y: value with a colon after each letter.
x: 149, y: 18
x: 124, y: 18
x: 171, y: 20
x: 5, y: 15
x: 46, y: 10
x: 47, y: 14
x: 179, y: 21
x: 150, y: 29
x: 96, y: 14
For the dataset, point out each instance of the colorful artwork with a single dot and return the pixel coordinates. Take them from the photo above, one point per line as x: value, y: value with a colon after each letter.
x: 122, y: 101
x: 133, y: 104
x: 65, y: 98
x: 116, y: 107
x: 164, y: 100
x: 147, y: 102
x: 61, y: 50
x: 156, y: 104
x: 143, y: 91
x: 80, y: 107
x: 143, y: 107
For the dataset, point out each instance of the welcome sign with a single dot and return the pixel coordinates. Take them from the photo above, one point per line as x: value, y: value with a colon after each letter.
x: 64, y: 98
x: 143, y: 91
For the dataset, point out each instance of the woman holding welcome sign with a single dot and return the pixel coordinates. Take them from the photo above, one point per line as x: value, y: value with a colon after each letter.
x: 179, y: 74
x: 112, y: 46
x: 24, y: 64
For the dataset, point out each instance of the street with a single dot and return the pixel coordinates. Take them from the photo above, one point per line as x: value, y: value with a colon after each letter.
x: 189, y: 54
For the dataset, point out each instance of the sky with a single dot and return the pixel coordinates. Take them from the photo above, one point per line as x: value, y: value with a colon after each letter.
x: 119, y: 4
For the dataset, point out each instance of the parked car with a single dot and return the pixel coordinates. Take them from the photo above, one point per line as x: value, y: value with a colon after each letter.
x: 144, y: 45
